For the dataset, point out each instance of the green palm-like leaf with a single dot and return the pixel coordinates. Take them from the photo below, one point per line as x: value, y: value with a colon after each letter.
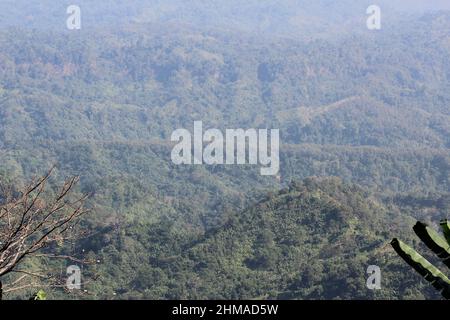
x: 422, y: 266
x: 439, y: 245
x: 445, y: 226
x: 434, y: 241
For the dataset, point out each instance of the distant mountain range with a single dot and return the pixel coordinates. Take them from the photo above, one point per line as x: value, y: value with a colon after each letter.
x: 365, y: 135
x: 288, y: 17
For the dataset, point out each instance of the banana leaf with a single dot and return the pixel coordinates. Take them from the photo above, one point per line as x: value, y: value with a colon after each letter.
x: 423, y: 267
x: 433, y: 241
x: 445, y: 226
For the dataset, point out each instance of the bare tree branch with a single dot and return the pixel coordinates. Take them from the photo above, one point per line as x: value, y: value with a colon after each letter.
x: 30, y: 222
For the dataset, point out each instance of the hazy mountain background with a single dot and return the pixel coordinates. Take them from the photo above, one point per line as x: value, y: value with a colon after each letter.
x: 365, y: 131
x: 287, y: 17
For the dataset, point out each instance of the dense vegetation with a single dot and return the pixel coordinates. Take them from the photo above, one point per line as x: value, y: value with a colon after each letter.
x: 312, y: 240
x: 369, y: 108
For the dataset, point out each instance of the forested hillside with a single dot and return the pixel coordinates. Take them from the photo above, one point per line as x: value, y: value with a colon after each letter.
x: 365, y: 137
x: 311, y: 240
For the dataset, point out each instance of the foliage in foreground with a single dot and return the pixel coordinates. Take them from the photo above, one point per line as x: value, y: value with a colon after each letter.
x: 439, y: 246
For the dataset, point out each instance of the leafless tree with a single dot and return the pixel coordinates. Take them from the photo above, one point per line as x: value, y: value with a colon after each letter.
x: 31, y: 220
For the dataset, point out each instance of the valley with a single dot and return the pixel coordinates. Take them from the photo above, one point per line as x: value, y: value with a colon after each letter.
x: 364, y: 128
